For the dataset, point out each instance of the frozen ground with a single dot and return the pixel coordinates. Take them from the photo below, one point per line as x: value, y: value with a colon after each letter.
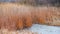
x: 44, y: 29
x: 35, y: 29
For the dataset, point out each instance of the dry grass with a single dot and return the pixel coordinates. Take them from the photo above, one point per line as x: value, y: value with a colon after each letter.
x: 5, y: 31
x: 15, y: 16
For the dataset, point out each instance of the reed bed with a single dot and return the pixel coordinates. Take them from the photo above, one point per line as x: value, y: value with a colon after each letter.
x: 15, y: 16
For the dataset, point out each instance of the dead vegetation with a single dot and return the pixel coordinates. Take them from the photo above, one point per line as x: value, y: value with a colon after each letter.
x: 5, y: 31
x: 15, y: 16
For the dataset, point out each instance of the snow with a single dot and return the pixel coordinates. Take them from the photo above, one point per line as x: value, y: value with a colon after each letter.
x: 35, y: 29
x: 45, y: 29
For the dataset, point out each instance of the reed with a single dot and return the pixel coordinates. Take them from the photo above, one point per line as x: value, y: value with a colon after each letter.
x: 16, y: 16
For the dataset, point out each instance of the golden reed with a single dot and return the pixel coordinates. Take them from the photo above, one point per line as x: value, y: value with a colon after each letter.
x: 15, y: 16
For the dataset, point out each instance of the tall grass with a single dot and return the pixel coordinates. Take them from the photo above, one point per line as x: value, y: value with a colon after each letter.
x: 16, y: 16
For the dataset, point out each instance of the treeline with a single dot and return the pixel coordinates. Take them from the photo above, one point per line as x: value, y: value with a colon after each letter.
x: 41, y: 2
x: 35, y: 2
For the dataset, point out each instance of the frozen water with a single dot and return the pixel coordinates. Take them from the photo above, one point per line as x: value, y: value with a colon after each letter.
x: 44, y: 29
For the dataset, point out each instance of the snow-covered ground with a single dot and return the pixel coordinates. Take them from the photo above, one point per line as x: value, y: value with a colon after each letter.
x: 35, y: 29
x: 44, y: 29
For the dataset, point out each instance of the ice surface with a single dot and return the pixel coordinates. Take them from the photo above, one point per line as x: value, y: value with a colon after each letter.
x: 44, y: 29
